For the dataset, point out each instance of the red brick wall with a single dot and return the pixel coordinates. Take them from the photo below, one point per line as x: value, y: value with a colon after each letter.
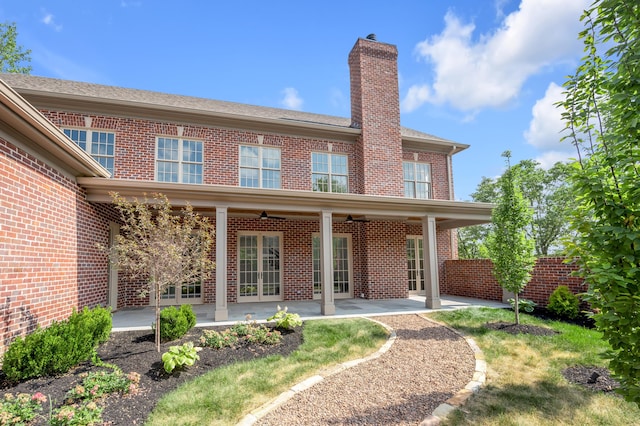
x: 385, y: 254
x: 49, y: 262
x: 474, y: 278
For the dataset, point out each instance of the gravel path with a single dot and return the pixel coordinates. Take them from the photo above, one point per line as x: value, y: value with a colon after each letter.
x: 427, y: 364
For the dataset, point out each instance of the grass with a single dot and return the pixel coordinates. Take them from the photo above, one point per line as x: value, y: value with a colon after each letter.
x: 525, y: 385
x: 225, y: 395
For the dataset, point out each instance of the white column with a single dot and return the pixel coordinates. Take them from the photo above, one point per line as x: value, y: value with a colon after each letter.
x: 430, y: 258
x: 327, y: 306
x: 221, y: 312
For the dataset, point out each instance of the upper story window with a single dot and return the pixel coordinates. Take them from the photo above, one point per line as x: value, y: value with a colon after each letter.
x: 417, y: 180
x: 259, y: 167
x: 178, y: 160
x: 100, y: 145
x: 329, y: 172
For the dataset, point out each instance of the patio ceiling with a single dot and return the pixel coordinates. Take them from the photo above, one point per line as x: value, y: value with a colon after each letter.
x: 292, y: 205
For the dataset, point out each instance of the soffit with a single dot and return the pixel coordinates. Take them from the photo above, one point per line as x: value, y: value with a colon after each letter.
x: 292, y: 205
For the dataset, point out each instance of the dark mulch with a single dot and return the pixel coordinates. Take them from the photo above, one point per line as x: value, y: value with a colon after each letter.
x: 136, y: 351
x: 597, y: 379
x: 513, y: 328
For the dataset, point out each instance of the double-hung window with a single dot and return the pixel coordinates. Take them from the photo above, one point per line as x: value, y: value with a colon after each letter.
x: 417, y: 180
x: 329, y: 172
x: 100, y: 145
x: 178, y: 160
x: 259, y: 167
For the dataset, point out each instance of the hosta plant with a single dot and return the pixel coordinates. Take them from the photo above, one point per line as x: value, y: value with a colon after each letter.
x: 180, y: 356
x: 285, y: 320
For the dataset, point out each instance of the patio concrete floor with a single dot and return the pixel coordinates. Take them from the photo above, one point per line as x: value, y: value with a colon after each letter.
x: 141, y: 318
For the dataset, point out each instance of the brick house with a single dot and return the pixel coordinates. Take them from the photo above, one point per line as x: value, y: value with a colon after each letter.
x: 305, y: 206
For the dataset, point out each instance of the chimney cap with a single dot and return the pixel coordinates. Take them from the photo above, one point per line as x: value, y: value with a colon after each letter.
x: 372, y: 37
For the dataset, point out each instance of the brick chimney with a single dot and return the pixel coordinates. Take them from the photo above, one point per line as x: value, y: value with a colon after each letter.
x: 375, y: 108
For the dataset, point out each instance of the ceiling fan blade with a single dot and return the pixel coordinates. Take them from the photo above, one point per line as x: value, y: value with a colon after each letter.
x: 265, y: 216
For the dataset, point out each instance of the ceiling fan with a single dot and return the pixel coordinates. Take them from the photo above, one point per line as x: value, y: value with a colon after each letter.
x: 265, y: 216
x: 350, y: 219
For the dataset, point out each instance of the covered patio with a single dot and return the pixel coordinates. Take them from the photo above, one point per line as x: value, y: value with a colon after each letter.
x: 141, y: 318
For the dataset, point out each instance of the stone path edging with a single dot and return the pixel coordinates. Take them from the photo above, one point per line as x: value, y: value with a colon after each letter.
x: 479, y: 377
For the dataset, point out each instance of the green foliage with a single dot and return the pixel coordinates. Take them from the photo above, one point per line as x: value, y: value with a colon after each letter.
x: 174, y: 322
x: 525, y: 305
x: 547, y: 192
x: 602, y: 116
x: 249, y: 332
x: 564, y: 303
x: 285, y: 320
x: 83, y: 414
x: 59, y: 347
x: 97, y: 384
x: 11, y: 54
x: 510, y: 249
x: 163, y: 248
x: 20, y: 409
x: 180, y: 356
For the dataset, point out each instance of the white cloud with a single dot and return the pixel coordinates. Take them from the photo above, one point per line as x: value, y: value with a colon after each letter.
x: 49, y: 21
x: 549, y: 158
x: 489, y: 70
x: 291, y: 99
x: 545, y: 128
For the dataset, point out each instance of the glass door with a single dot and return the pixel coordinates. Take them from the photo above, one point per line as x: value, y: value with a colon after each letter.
x: 259, y: 272
x: 342, y: 276
x: 415, y: 265
x: 188, y: 294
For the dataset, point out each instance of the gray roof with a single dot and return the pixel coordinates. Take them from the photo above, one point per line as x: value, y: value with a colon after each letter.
x: 30, y: 83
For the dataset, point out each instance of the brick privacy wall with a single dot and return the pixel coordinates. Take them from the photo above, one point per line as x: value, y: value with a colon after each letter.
x: 474, y: 278
x: 49, y: 262
x: 375, y: 108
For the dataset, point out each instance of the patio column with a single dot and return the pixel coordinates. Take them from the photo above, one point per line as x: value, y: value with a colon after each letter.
x: 327, y: 306
x: 430, y: 258
x: 221, y: 312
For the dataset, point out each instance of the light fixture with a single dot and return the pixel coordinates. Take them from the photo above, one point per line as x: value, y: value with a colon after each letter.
x: 263, y: 216
x: 349, y: 219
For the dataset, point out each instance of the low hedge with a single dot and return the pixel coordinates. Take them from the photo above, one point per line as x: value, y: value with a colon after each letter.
x: 59, y: 347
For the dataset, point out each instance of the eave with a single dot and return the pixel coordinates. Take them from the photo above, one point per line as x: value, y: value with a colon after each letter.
x: 292, y: 204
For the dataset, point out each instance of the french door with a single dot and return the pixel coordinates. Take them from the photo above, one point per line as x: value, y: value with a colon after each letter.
x: 259, y: 272
x: 415, y: 265
x: 185, y: 294
x: 342, y: 267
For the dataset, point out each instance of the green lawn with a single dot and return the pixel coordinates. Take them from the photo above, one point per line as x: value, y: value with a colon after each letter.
x: 225, y: 395
x: 525, y: 385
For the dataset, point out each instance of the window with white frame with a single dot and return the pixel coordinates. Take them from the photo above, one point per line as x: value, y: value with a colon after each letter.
x: 417, y: 180
x: 329, y: 172
x: 178, y: 160
x: 100, y: 145
x: 259, y: 167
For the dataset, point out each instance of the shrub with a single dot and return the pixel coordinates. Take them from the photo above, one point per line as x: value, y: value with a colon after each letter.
x: 180, y: 356
x: 97, y: 384
x: 564, y: 303
x: 174, y: 322
x: 525, y: 305
x: 285, y: 320
x: 88, y: 413
x: 59, y: 347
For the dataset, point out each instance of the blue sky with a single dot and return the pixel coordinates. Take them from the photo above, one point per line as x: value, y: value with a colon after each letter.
x: 480, y: 72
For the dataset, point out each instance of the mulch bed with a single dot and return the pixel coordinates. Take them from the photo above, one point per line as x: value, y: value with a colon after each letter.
x: 597, y: 379
x: 513, y: 328
x: 136, y: 351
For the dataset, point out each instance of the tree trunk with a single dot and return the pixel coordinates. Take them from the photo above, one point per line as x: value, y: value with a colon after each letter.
x: 517, y: 308
x: 157, y: 319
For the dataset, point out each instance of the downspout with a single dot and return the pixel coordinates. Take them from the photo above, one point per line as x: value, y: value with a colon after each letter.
x: 452, y: 235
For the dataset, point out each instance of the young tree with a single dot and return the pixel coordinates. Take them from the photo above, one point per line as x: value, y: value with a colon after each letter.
x: 511, y: 251
x: 164, y: 248
x: 602, y: 114
x: 12, y: 55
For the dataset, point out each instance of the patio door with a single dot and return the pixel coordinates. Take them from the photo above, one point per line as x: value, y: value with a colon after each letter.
x: 415, y: 265
x: 186, y: 294
x: 259, y: 276
x: 342, y: 267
